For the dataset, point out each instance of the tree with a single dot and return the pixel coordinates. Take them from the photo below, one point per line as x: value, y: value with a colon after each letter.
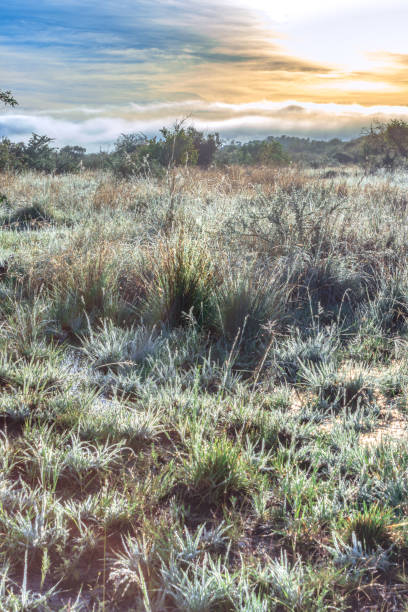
x: 7, y: 99
x: 267, y: 152
x: 137, y: 154
x: 130, y: 143
x: 39, y: 155
x: 386, y: 144
x: 12, y: 155
x: 69, y: 159
x: 187, y: 146
x: 178, y: 146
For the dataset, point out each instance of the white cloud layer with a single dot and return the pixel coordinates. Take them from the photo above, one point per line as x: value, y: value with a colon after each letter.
x: 99, y: 127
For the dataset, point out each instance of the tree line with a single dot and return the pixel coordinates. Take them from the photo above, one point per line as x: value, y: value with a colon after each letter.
x: 383, y: 145
x: 136, y: 154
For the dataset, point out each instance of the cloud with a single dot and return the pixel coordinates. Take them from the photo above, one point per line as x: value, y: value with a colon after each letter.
x: 76, y: 54
x: 141, y: 51
x: 99, y: 128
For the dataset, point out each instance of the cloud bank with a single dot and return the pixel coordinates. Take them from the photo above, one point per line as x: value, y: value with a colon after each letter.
x: 95, y: 128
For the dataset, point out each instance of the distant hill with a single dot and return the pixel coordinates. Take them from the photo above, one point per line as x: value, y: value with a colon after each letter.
x: 322, y: 152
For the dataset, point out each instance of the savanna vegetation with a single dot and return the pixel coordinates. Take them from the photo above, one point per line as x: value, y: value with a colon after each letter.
x: 382, y: 146
x: 204, y: 381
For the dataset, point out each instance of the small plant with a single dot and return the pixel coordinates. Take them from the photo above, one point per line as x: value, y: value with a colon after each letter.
x: 189, y: 546
x: 133, y: 566
x: 113, y: 348
x: 55, y: 458
x: 318, y: 348
x: 370, y: 526
x: 286, y: 582
x: 34, y: 529
x: 393, y: 384
x: 356, y: 559
x: 370, y: 345
x: 110, y: 420
x: 199, y: 588
x: 336, y: 388
x: 215, y: 470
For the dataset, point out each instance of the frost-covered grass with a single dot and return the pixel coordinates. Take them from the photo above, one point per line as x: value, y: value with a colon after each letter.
x: 209, y: 415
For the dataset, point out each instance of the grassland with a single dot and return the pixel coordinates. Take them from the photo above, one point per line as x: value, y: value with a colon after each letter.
x: 204, y: 386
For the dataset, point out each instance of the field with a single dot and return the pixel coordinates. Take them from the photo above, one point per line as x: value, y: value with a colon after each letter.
x: 204, y: 384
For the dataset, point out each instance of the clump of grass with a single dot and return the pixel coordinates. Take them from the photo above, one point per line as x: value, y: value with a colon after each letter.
x: 317, y: 348
x: 356, y: 559
x: 200, y: 587
x: 286, y: 581
x: 83, y: 287
x: 214, y: 471
x: 388, y: 309
x: 350, y: 388
x: 370, y: 526
x: 109, y: 420
x: 246, y: 302
x: 26, y: 326
x: 67, y: 459
x: 26, y: 218
x: 133, y: 567
x: 393, y: 383
x: 370, y: 344
x: 113, y: 348
x: 181, y: 284
x: 279, y: 399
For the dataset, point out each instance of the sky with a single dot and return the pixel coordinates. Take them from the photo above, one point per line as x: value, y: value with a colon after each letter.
x: 85, y: 71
